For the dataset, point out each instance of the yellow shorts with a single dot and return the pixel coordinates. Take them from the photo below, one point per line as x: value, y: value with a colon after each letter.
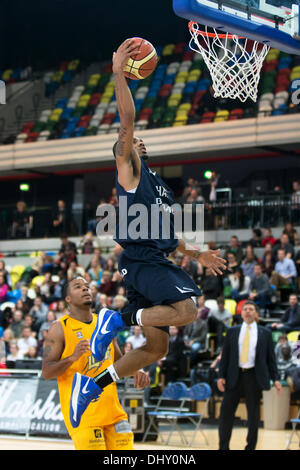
x: 117, y: 436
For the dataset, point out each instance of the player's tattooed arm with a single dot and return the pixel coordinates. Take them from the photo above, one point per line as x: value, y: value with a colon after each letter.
x: 52, y: 365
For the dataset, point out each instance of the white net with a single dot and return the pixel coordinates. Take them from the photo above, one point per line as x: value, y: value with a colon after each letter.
x: 233, y: 62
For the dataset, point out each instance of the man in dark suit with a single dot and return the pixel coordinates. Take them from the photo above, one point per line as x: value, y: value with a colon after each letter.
x: 247, y: 366
x: 291, y: 317
x: 174, y: 364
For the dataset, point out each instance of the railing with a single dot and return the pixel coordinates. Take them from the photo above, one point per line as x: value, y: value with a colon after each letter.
x: 245, y: 213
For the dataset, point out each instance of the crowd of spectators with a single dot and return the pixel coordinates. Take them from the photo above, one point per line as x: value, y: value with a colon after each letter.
x: 262, y: 270
x: 28, y: 308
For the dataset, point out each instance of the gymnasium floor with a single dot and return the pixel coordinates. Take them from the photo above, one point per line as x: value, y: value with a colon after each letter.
x: 268, y: 440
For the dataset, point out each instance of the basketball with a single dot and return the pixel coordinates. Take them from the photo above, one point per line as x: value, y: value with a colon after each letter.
x: 143, y: 62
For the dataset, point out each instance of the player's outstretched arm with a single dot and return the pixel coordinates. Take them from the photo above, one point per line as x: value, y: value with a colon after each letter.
x: 209, y: 259
x: 52, y: 365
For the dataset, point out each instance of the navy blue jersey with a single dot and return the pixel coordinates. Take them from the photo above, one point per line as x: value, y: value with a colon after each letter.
x: 154, y: 231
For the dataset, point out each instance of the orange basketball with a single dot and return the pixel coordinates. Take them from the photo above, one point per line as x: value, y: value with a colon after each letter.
x: 143, y: 62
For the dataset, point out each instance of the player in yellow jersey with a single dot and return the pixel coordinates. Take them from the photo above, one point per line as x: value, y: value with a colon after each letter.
x: 67, y: 356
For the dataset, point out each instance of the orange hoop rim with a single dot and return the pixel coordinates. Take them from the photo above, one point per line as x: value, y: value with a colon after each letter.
x: 211, y: 35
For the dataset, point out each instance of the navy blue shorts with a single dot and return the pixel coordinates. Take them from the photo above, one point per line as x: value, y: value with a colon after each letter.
x: 151, y: 279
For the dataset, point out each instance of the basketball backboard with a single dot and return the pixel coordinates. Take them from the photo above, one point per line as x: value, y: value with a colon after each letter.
x: 272, y: 22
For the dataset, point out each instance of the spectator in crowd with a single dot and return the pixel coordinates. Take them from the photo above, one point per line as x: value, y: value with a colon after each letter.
x: 26, y: 340
x: 285, y: 270
x: 295, y: 202
x: 7, y: 338
x: 103, y: 299
x: 95, y: 270
x: 50, y: 318
x: 292, y: 233
x: 260, y: 289
x: 202, y: 308
x: 232, y: 264
x: 22, y: 221
x: 67, y: 245
x: 281, y: 342
x: 5, y: 273
x: 191, y: 266
x: 256, y: 241
x: 62, y: 309
x: 88, y: 244
x: 210, y: 285
x: 249, y: 262
x: 43, y: 335
x: 74, y: 270
x: 119, y: 303
x: 46, y: 285
x: 95, y: 296
x: 195, y: 336
x: 286, y: 362
x: 240, y: 285
x: 191, y: 184
x: 107, y: 286
x: 28, y: 321
x: 92, y: 223
x: 219, y: 320
x: 38, y: 311
x: 127, y: 347
x: 137, y: 339
x: 20, y: 305
x: 268, y: 264
x: 235, y: 247
x: 291, y: 318
x: 64, y: 260
x: 285, y: 245
x: 4, y: 288
x: 26, y: 300
x: 268, y: 238
x: 17, y: 323
x: 14, y: 353
x: 60, y: 223
x: 195, y: 197
x: 173, y: 365
x: 110, y: 265
x: 101, y: 259
x: 114, y: 198
x: 32, y: 353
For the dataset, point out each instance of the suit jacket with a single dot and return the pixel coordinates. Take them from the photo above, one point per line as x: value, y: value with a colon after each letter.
x: 265, y: 361
x: 296, y: 318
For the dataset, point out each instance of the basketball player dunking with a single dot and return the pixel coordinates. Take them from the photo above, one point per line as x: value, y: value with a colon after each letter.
x: 159, y: 292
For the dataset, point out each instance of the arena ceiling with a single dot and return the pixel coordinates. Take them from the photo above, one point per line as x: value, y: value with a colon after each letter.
x: 42, y: 33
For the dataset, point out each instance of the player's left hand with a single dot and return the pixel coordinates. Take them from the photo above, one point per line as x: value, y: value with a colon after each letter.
x: 141, y: 379
x: 211, y: 259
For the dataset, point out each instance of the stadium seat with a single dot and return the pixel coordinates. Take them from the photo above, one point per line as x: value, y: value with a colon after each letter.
x: 15, y: 274
x: 164, y: 412
x: 293, y: 336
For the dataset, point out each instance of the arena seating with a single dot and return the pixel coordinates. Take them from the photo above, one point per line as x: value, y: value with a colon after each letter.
x: 172, y: 96
x: 14, y: 75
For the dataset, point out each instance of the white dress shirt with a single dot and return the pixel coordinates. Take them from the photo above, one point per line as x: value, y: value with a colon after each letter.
x: 252, y: 346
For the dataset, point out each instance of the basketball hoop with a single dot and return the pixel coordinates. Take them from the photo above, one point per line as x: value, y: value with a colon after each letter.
x: 234, y: 62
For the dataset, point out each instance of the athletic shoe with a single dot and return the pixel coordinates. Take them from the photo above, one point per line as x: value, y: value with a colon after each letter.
x: 109, y: 323
x: 84, y: 391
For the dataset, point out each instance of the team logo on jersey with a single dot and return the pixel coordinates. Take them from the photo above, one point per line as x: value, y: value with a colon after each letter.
x: 98, y: 433
x: 79, y: 334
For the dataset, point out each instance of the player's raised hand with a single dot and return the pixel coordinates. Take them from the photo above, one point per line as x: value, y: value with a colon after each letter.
x: 124, y: 51
x: 211, y: 259
x: 81, y: 348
